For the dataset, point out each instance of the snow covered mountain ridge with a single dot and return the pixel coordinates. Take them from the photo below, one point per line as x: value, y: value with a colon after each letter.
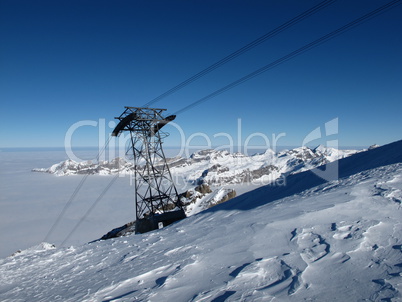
x: 217, y: 166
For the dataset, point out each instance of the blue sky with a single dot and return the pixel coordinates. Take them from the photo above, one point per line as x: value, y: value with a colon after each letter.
x: 64, y: 62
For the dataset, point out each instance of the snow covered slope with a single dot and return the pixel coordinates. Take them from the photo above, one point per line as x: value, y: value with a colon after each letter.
x: 308, y: 240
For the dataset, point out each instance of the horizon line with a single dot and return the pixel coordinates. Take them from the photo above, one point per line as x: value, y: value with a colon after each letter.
x: 62, y: 148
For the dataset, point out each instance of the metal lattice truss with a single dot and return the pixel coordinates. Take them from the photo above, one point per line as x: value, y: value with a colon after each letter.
x: 155, y: 192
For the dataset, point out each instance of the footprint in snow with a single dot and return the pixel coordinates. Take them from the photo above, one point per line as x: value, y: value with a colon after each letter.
x: 313, y: 247
x: 343, y: 232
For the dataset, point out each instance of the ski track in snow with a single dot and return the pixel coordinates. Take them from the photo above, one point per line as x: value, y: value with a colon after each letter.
x: 339, y: 241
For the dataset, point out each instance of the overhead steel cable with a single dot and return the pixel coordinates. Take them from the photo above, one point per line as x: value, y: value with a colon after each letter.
x: 91, y: 208
x: 291, y: 55
x: 259, y: 71
x: 244, y: 49
x: 72, y: 197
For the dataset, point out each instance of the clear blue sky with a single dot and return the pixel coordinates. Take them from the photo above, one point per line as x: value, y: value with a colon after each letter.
x: 62, y: 62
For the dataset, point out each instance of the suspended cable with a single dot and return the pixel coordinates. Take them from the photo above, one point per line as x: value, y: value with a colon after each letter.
x: 291, y: 55
x: 91, y: 208
x: 72, y: 197
x: 244, y: 49
x: 259, y: 71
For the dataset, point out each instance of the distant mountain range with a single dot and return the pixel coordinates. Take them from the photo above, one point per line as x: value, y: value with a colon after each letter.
x: 207, y: 172
x: 217, y: 167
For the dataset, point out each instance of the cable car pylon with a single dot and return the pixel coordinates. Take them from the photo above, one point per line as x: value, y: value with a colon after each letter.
x: 156, y: 198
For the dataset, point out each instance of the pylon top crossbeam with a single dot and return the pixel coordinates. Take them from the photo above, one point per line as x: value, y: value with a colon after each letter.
x: 143, y: 113
x: 140, y: 108
x: 142, y: 119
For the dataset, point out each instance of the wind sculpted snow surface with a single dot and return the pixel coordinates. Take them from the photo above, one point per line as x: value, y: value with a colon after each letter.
x: 308, y: 240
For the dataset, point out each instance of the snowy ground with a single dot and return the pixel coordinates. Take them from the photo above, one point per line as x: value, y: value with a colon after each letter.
x: 311, y: 240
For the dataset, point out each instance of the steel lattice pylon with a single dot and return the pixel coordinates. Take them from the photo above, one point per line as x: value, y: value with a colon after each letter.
x: 156, y: 197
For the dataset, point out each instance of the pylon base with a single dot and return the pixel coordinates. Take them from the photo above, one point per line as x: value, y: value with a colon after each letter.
x: 151, y: 222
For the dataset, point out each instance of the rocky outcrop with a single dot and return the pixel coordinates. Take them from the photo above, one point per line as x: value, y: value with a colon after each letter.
x: 126, y: 229
x: 230, y: 193
x: 202, y: 197
x: 203, y: 189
